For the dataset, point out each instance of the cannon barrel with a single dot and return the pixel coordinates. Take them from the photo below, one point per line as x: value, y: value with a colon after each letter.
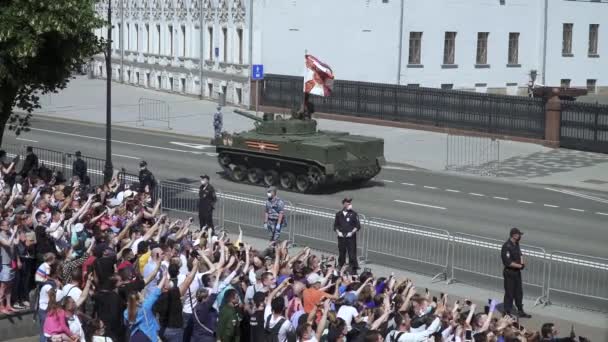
x: 248, y: 115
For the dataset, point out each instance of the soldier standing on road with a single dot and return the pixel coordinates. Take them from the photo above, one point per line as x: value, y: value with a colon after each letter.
x: 513, y: 262
x: 346, y: 226
x: 79, y: 168
x: 147, y: 182
x: 206, y: 203
x: 274, y: 214
x: 218, y: 122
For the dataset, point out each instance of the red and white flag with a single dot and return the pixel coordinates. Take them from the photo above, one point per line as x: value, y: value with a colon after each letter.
x: 319, y: 78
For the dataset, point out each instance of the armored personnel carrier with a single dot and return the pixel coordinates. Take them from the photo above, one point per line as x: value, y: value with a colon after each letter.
x: 292, y: 154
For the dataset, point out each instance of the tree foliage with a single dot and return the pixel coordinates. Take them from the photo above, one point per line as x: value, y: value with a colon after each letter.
x: 42, y: 42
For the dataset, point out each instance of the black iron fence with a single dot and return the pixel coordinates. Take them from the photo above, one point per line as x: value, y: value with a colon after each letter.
x: 584, y: 126
x: 488, y: 113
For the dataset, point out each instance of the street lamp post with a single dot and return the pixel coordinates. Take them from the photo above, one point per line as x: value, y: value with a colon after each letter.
x: 109, y: 168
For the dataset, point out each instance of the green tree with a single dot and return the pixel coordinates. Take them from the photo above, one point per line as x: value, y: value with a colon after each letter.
x: 42, y: 42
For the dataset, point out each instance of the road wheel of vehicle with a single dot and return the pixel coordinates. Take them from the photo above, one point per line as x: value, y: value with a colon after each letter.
x: 255, y: 175
x: 239, y: 173
x: 303, y: 183
x: 223, y: 159
x: 287, y: 180
x: 271, y: 178
x: 315, y: 175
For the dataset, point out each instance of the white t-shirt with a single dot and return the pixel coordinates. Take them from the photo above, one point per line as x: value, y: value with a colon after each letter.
x: 72, y: 290
x: 75, y: 326
x: 43, y: 302
x: 285, y: 328
x: 347, y: 313
x: 135, y: 244
x: 191, y: 294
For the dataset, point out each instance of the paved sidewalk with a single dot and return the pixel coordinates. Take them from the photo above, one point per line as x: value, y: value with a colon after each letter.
x: 84, y: 99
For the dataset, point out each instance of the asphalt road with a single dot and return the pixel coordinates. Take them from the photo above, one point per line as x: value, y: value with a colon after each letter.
x: 471, y: 205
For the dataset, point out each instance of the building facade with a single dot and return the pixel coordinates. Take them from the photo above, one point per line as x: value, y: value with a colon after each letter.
x: 497, y: 46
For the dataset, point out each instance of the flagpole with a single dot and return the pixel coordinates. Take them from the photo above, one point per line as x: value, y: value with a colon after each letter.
x: 304, y: 82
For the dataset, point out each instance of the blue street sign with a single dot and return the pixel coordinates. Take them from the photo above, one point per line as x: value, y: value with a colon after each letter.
x: 257, y: 72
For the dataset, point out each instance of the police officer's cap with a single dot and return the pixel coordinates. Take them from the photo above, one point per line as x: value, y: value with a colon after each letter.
x: 515, y: 231
x: 272, y: 189
x: 143, y: 163
x: 347, y: 199
x: 77, y: 154
x: 205, y: 177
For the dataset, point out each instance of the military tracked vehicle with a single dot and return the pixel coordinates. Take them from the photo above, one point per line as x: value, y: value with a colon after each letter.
x: 292, y: 154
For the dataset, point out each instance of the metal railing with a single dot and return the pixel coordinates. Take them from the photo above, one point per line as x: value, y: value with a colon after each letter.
x: 473, y: 155
x: 578, y: 275
x: 450, y: 256
x: 478, y: 258
x: 423, y: 248
x: 153, y: 110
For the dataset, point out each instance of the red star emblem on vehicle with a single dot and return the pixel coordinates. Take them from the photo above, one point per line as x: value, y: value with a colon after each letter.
x: 262, y: 147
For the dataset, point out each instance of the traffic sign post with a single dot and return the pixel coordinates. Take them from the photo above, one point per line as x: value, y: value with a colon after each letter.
x: 257, y: 74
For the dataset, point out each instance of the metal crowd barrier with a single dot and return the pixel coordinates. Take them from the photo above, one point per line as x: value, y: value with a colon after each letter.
x: 95, y: 167
x: 426, y: 249
x: 315, y: 226
x: 578, y: 275
x: 153, y: 110
x: 477, y: 257
x: 183, y: 198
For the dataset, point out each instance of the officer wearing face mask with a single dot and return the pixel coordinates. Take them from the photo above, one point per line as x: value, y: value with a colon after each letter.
x: 513, y: 263
x: 346, y: 226
x: 274, y: 214
x: 206, y: 202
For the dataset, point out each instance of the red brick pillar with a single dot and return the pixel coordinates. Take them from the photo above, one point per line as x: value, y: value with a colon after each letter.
x: 553, y: 113
x: 252, y: 94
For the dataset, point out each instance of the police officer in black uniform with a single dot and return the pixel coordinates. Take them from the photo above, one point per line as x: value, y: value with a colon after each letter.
x: 147, y: 182
x: 206, y: 203
x: 79, y: 168
x: 346, y: 226
x: 513, y: 263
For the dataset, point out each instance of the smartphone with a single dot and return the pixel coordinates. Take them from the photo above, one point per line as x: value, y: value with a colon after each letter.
x: 486, y: 309
x: 290, y: 280
x: 434, y: 299
x: 468, y: 335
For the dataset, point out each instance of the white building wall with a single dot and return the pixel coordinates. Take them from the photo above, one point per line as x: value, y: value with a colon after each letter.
x: 579, y: 67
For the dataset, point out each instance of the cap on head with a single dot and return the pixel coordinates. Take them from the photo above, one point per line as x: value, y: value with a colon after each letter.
x: 515, y: 231
x: 77, y: 154
x: 219, y: 107
x: 313, y: 278
x: 205, y: 177
x: 272, y: 189
x: 347, y: 199
x: 29, y: 149
x: 143, y: 163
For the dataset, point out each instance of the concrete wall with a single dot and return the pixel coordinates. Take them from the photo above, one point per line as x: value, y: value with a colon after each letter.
x: 580, y: 66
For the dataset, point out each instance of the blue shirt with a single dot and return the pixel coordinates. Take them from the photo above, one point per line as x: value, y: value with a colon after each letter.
x: 145, y: 321
x: 274, y: 207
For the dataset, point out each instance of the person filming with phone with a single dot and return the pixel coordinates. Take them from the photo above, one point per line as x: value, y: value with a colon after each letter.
x: 514, y: 263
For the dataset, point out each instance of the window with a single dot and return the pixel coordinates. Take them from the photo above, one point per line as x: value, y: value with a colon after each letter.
x: 120, y: 42
x: 593, y: 36
x: 447, y: 86
x: 210, y: 32
x: 158, y: 38
x: 137, y: 77
x: 171, y: 83
x: 225, y: 36
x: 136, y: 37
x: 482, y: 48
x: 565, y: 83
x: 413, y: 85
x: 210, y: 89
x: 591, y: 86
x: 147, y: 28
x: 567, y: 40
x: 239, y: 95
x: 239, y: 34
x: 183, y: 41
x: 182, y: 85
x: 128, y: 37
x: 415, y: 48
x: 171, y: 52
x: 449, y: 48
x: 158, y: 82
x: 513, y: 48
x: 148, y: 80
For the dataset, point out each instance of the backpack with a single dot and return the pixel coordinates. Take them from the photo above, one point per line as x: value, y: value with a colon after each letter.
x: 272, y: 335
x: 395, y: 337
x: 37, y: 295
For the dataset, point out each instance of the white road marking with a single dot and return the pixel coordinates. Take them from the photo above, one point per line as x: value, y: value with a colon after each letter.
x: 577, y: 194
x: 191, y: 145
x: 114, y: 141
x: 501, y: 198
x: 452, y: 190
x: 476, y: 194
x: 387, y: 181
x: 23, y: 139
x: 430, y: 187
x: 421, y: 204
x: 409, y: 184
x: 579, y: 210
x: 398, y: 168
x: 123, y: 156
x: 522, y: 201
x: 551, y: 206
x: 599, y: 213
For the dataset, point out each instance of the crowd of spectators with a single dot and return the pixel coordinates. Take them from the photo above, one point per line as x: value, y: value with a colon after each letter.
x: 103, y: 264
